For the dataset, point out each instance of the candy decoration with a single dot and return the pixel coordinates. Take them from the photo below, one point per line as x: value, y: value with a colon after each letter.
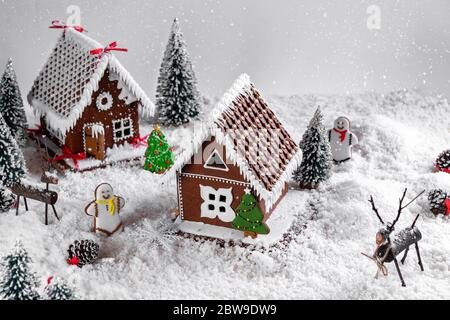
x: 249, y: 217
x: 158, y: 157
x: 57, y: 24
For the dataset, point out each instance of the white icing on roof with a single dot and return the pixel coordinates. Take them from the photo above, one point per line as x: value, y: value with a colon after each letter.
x: 240, y: 113
x: 64, y: 87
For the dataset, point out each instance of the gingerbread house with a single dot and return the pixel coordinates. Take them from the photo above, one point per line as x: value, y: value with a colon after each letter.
x: 244, y: 148
x: 87, y: 103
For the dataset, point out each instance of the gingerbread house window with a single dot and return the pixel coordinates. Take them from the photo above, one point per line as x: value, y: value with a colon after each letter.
x: 122, y: 129
x: 217, y: 203
x: 215, y: 162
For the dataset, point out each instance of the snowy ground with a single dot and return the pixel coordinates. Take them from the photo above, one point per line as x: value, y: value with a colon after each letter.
x: 401, y: 135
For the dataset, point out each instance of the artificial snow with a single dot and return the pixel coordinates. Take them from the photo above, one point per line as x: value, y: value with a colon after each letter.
x: 400, y: 134
x: 118, y: 153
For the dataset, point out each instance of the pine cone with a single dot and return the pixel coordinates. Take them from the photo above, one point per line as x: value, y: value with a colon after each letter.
x: 83, y: 252
x: 443, y: 160
x: 436, y: 197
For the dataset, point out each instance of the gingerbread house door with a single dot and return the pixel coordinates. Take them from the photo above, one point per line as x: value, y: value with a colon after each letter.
x: 94, y: 139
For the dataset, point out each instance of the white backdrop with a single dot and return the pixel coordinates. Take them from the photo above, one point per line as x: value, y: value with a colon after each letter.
x: 285, y: 46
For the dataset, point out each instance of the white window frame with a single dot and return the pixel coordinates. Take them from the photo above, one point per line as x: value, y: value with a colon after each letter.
x: 206, y: 166
x: 122, y: 129
x: 206, y: 211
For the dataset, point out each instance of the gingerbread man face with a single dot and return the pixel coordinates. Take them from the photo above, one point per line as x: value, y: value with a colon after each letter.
x: 342, y: 123
x: 103, y: 191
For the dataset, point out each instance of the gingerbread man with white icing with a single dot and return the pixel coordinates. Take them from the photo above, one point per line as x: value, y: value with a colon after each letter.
x: 106, y: 210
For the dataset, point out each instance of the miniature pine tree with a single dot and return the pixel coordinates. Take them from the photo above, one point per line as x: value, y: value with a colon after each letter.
x: 177, y: 96
x: 249, y: 217
x: 17, y: 281
x: 7, y: 199
x: 58, y: 289
x: 159, y: 155
x: 11, y: 104
x: 316, y: 164
x: 12, y: 163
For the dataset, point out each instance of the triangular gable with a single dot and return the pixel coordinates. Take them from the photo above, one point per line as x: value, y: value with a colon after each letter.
x: 215, y: 162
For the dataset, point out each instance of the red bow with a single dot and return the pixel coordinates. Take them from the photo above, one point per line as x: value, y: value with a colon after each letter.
x: 447, y: 205
x: 342, y: 133
x: 446, y: 170
x: 49, y: 280
x: 140, y: 141
x: 56, y: 24
x: 67, y: 154
x: 36, y: 131
x: 111, y: 47
x: 73, y: 261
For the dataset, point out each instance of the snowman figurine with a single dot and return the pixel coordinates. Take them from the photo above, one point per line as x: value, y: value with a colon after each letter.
x: 342, y: 140
x: 105, y: 209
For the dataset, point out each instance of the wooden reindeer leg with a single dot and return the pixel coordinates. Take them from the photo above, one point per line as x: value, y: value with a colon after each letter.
x: 26, y: 204
x: 404, y: 256
x: 418, y: 256
x: 18, y: 205
x: 46, y: 214
x: 399, y: 272
x: 54, y: 212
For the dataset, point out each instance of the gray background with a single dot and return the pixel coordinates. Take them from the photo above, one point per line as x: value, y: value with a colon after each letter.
x: 290, y: 46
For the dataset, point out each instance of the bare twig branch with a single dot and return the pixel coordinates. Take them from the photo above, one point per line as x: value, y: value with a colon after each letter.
x: 414, y: 222
x: 413, y: 199
x: 400, y: 208
x: 375, y: 209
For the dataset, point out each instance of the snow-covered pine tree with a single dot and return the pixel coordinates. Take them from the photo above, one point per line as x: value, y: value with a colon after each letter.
x: 12, y: 163
x: 17, y: 282
x: 177, y: 96
x: 58, y: 289
x: 317, y: 159
x: 11, y: 104
x: 7, y: 199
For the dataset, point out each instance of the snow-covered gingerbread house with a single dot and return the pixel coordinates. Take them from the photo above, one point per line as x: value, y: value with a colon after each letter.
x: 244, y: 149
x: 87, y: 103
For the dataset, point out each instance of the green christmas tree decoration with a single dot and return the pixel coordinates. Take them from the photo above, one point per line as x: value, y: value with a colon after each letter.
x: 159, y: 155
x: 317, y: 159
x: 177, y: 96
x: 17, y: 282
x: 58, y: 289
x: 249, y: 217
x: 12, y: 163
x: 11, y: 104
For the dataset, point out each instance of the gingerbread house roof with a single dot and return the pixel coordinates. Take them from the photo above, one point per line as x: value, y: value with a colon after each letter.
x: 254, y: 138
x: 65, y: 85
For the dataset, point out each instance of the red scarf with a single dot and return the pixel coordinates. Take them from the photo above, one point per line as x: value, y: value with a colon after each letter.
x: 342, y: 133
x: 447, y: 204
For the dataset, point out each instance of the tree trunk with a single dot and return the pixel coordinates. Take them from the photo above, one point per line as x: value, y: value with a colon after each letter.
x: 308, y: 186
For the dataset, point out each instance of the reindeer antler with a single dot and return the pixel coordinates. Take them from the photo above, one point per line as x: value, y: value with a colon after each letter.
x: 375, y: 209
x: 400, y: 207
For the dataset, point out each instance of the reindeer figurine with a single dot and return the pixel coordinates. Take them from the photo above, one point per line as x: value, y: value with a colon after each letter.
x: 387, y: 250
